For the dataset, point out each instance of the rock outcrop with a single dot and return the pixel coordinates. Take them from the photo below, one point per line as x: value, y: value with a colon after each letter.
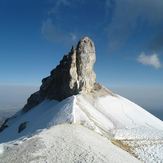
x: 73, y: 75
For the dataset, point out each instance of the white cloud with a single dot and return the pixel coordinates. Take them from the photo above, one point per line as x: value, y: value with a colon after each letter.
x: 54, y: 33
x: 73, y: 37
x: 51, y: 28
x: 57, y: 5
x: 151, y: 60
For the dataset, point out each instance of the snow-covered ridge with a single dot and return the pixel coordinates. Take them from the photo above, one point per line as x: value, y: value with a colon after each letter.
x: 65, y: 143
x: 114, y: 114
x: 107, y: 114
x: 89, y: 124
x: 46, y: 114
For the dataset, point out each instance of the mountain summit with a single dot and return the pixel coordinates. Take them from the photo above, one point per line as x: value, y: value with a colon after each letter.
x: 73, y: 119
x: 74, y: 74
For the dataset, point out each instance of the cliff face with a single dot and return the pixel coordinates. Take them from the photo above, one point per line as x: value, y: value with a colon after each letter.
x: 74, y: 74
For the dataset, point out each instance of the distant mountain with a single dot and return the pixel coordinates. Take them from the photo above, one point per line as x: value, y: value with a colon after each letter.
x: 72, y: 118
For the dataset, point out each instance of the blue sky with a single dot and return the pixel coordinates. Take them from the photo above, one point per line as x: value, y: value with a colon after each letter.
x: 128, y: 35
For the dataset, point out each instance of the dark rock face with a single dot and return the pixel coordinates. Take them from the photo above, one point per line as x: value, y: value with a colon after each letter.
x: 4, y: 125
x: 74, y: 74
x: 22, y: 127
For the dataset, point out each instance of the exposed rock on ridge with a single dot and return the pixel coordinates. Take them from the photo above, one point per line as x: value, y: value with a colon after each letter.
x: 74, y: 74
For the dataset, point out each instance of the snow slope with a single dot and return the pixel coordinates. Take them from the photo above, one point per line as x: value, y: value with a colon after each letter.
x: 65, y: 143
x: 116, y: 112
x: 130, y: 126
x: 112, y: 116
x: 47, y: 114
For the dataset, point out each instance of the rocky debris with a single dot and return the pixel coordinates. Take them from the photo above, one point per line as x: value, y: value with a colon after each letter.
x: 22, y: 127
x: 74, y: 74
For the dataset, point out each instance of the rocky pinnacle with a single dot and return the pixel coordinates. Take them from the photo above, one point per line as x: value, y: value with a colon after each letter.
x: 73, y: 75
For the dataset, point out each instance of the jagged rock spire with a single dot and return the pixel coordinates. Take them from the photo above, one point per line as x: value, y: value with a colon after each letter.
x: 86, y: 57
x: 73, y: 75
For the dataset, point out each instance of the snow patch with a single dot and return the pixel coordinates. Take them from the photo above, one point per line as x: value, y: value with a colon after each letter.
x: 1, y: 149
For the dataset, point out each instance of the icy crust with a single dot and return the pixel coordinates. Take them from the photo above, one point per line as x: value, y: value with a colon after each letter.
x: 139, y: 133
x: 65, y: 143
x: 148, y: 151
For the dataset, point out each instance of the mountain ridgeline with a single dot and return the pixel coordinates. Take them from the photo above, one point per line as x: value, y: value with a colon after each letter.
x: 73, y: 119
x: 74, y: 74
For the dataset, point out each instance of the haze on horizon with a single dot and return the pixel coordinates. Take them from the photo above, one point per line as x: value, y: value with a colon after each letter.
x: 128, y: 37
